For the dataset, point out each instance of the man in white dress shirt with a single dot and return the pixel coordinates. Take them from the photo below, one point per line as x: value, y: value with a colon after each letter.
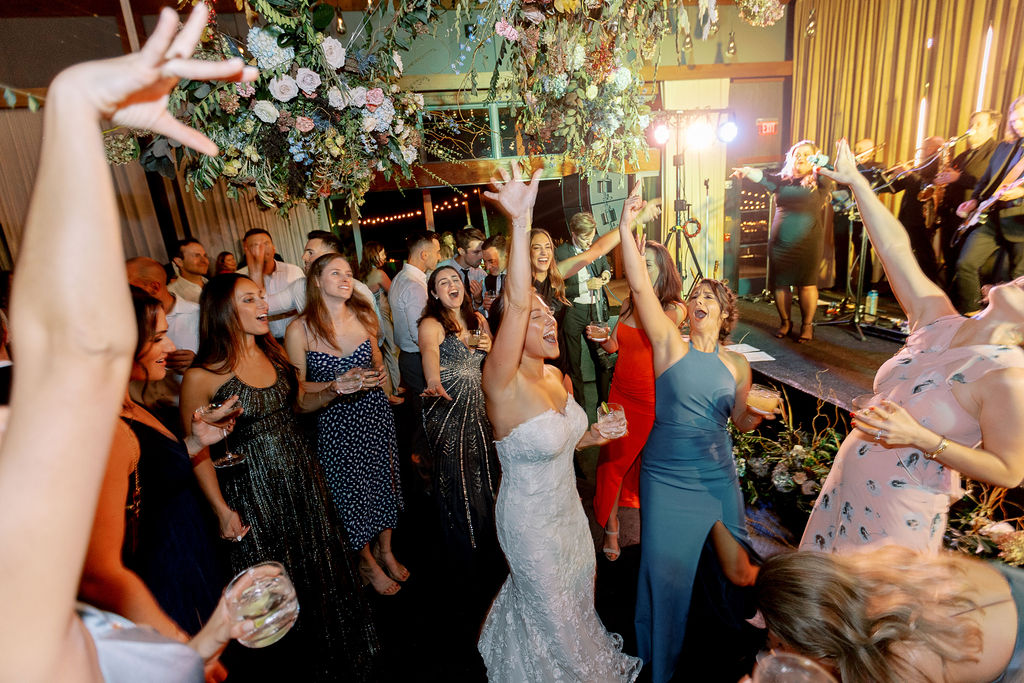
x: 273, y: 277
x: 495, y: 253
x: 407, y: 297
x: 193, y: 265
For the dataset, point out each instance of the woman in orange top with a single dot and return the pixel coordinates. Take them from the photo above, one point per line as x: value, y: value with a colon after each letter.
x: 618, y: 466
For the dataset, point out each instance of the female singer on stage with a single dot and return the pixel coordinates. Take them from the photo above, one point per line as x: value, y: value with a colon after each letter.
x: 957, y: 383
x: 797, y: 235
x: 633, y: 388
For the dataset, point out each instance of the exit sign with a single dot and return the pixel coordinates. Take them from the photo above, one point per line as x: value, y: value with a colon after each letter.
x: 767, y: 127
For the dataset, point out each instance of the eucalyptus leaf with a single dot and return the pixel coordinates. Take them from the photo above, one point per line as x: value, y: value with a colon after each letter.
x: 201, y: 91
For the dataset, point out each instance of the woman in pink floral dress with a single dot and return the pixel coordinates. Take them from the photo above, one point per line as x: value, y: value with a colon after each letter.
x: 951, y: 402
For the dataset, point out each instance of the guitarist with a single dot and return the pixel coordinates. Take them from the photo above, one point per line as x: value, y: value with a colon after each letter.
x: 1004, y: 229
x: 961, y: 177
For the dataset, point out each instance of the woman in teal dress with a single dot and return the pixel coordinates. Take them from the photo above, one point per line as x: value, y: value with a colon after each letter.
x: 689, y: 491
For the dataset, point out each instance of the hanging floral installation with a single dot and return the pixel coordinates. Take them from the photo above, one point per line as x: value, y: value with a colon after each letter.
x: 761, y: 13
x: 573, y: 73
x: 323, y: 116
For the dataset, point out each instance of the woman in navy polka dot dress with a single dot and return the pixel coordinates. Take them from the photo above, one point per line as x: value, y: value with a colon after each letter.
x: 331, y: 343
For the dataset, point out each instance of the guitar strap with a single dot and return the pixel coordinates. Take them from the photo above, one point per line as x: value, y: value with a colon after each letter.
x: 1006, y: 177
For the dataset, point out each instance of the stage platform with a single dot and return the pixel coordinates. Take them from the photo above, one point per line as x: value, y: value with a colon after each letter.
x: 835, y: 366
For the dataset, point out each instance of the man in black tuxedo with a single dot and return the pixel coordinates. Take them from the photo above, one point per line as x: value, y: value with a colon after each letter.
x: 585, y: 290
x: 961, y: 177
x: 1004, y: 228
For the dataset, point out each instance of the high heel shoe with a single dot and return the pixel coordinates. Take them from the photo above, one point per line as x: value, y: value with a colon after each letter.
x: 784, y: 329
x: 611, y: 553
x: 806, y: 333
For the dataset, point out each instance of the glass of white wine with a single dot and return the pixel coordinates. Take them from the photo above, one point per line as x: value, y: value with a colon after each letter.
x: 214, y: 415
x: 264, y: 595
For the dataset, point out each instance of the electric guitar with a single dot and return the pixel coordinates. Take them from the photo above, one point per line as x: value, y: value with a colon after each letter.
x: 974, y: 218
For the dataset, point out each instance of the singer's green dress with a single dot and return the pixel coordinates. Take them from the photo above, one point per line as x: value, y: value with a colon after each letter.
x: 797, y: 239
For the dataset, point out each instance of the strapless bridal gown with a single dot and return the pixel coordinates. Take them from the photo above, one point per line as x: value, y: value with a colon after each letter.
x: 543, y: 626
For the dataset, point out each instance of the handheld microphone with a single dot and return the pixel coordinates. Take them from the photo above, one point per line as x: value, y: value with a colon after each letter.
x: 820, y: 160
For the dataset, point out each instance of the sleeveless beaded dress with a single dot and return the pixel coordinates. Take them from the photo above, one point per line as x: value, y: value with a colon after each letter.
x: 279, y: 491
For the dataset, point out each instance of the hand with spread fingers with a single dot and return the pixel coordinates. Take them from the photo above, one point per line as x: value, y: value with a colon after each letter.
x: 133, y: 90
x: 891, y: 425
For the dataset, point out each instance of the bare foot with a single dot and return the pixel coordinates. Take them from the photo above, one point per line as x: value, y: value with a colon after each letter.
x: 376, y: 577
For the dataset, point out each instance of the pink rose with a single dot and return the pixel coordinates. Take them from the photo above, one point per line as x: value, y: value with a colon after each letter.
x: 307, y: 80
x: 303, y: 124
x: 506, y: 30
x: 375, y: 97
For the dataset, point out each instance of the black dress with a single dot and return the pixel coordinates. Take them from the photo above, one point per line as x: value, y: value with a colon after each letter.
x: 798, y: 230
x: 466, y: 470
x: 279, y: 490
x: 173, y: 551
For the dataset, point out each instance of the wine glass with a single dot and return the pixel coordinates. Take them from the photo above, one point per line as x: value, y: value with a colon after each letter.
x: 264, y: 595
x: 611, y: 420
x: 348, y: 380
x: 785, y: 667
x: 213, y: 414
x: 764, y: 400
x: 598, y: 330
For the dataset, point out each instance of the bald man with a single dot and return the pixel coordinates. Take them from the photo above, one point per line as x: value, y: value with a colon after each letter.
x: 911, y: 213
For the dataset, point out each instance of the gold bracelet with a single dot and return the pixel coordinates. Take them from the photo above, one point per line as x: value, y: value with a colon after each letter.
x: 931, y: 455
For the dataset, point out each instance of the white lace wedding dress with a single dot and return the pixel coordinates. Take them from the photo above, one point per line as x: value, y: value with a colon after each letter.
x: 543, y: 626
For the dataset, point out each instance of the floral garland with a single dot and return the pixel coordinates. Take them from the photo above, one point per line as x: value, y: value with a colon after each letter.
x: 321, y: 118
x: 761, y: 13
x: 575, y: 73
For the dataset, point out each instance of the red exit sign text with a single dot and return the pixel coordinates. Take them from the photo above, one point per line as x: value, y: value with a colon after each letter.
x: 767, y: 126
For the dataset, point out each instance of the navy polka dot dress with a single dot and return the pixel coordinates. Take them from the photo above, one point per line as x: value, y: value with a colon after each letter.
x: 358, y: 450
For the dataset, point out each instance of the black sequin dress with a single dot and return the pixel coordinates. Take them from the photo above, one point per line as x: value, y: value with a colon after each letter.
x: 279, y: 491
x: 466, y: 469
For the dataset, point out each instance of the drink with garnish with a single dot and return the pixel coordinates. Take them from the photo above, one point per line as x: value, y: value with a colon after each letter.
x: 264, y: 595
x: 611, y: 420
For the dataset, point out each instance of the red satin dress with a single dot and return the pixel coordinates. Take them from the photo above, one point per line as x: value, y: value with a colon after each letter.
x: 633, y: 387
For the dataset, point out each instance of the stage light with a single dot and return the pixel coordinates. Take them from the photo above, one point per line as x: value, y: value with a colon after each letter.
x: 728, y: 131
x: 661, y: 134
x: 699, y: 134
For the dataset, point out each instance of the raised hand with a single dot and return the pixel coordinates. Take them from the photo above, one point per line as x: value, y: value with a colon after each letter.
x: 631, y: 209
x: 514, y: 197
x: 133, y: 90
x: 846, y: 171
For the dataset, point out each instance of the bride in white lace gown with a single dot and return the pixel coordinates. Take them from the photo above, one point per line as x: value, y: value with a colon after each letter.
x: 542, y: 626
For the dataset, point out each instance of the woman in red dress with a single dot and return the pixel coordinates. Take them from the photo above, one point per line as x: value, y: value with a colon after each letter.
x: 618, y: 466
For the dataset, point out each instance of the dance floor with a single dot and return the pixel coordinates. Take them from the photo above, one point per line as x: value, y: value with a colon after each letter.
x: 429, y: 629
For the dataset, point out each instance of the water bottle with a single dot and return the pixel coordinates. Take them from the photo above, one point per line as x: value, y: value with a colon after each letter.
x: 871, y: 307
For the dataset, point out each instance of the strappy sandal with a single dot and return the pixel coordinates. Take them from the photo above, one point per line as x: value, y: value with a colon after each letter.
x: 611, y: 553
x: 784, y: 329
x: 806, y: 333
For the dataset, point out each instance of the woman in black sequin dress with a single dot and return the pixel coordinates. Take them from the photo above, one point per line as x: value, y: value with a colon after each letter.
x: 279, y: 489
x: 466, y: 469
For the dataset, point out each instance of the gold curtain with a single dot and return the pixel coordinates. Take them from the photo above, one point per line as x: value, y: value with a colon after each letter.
x: 865, y: 71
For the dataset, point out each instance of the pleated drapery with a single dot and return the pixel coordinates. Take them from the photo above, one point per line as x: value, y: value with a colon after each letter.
x: 865, y: 71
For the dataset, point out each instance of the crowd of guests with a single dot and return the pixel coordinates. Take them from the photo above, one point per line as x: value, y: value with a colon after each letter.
x: 181, y: 408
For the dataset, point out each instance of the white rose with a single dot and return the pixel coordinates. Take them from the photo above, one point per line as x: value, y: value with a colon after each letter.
x: 335, y: 98
x: 369, y: 123
x: 357, y: 97
x: 308, y: 80
x: 398, y: 62
x: 333, y: 52
x: 418, y: 97
x: 409, y: 154
x: 265, y: 111
x: 283, y: 88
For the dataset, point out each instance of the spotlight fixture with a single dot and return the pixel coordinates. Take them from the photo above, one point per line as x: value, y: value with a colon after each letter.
x: 699, y: 134
x: 661, y: 133
x: 728, y: 130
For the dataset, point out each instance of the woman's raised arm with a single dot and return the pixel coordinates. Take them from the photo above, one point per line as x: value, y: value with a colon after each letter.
x: 74, y: 343
x: 515, y: 198
x: 921, y: 299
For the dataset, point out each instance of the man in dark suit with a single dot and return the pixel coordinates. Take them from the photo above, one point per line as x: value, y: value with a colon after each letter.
x: 1004, y: 228
x: 585, y: 290
x: 961, y: 177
